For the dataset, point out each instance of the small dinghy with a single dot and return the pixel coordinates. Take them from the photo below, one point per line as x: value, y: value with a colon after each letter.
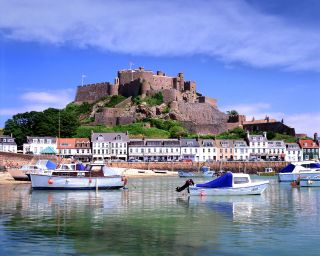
x: 228, y: 184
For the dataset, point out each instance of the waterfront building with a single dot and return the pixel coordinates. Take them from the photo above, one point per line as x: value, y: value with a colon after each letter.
x: 154, y: 150
x: 241, y: 150
x: 225, y: 150
x: 7, y: 144
x: 189, y: 150
x: 40, y: 145
x: 258, y: 145
x: 293, y: 152
x: 276, y: 150
x: 109, y: 146
x: 310, y: 149
x: 207, y: 150
x: 75, y: 148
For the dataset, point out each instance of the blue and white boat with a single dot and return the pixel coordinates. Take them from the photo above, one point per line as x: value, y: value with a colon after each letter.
x: 299, y: 170
x: 229, y: 184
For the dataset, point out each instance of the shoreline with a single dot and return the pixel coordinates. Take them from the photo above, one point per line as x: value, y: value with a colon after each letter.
x: 6, y: 178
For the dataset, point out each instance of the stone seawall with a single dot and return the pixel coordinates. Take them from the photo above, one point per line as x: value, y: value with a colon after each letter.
x: 248, y: 167
x: 17, y: 160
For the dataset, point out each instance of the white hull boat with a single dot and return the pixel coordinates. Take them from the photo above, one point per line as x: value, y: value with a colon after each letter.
x: 40, y: 181
x: 299, y: 170
x: 95, y: 176
x: 310, y: 182
x: 230, y: 184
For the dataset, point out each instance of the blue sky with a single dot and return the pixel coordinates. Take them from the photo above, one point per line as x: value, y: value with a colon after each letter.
x: 258, y: 57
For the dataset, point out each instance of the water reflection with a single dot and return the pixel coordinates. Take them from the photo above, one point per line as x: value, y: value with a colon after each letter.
x: 237, y: 208
x: 151, y: 219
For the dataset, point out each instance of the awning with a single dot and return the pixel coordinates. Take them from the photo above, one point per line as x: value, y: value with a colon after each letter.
x: 48, y: 151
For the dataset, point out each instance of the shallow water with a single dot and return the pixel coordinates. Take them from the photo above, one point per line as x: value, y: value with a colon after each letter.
x: 150, y: 218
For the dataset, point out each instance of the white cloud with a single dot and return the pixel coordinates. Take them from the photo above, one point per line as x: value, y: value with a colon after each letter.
x: 57, y: 98
x: 229, y: 30
x: 39, y: 101
x: 308, y: 123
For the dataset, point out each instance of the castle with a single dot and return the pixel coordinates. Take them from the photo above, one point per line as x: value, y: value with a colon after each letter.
x: 198, y: 113
x: 141, y: 82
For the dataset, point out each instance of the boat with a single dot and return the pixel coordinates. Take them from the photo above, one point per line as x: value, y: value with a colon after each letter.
x: 267, y: 172
x: 204, y: 172
x: 310, y: 181
x: 94, y: 176
x: 299, y: 170
x: 22, y: 174
x: 229, y: 184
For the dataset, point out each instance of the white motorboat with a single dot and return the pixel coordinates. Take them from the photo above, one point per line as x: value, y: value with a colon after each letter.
x: 94, y: 176
x: 228, y: 184
x: 23, y: 172
x: 299, y: 170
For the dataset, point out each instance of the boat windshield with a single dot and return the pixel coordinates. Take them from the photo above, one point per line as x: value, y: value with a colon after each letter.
x: 240, y: 180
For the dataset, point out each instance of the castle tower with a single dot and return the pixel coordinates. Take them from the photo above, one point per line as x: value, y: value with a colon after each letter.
x: 145, y: 87
x: 181, y: 81
x: 114, y: 88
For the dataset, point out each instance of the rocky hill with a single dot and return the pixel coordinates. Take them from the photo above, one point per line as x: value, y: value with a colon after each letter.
x: 139, y: 94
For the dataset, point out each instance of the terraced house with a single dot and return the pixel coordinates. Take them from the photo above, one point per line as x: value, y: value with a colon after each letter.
x: 241, y: 150
x: 154, y: 150
x: 293, y: 152
x: 40, y: 145
x: 7, y: 144
x: 109, y: 146
x: 310, y: 149
x: 207, y: 150
x: 258, y: 145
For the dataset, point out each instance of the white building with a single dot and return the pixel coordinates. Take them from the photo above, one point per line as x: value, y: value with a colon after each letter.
x: 154, y: 150
x: 258, y: 145
x: 241, y: 150
x: 75, y: 148
x: 109, y: 146
x: 293, y: 152
x: 7, y: 144
x: 40, y: 145
x: 276, y: 150
x: 207, y: 150
x: 189, y: 150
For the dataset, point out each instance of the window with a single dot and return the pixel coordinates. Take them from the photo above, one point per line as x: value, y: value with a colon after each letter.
x: 240, y: 180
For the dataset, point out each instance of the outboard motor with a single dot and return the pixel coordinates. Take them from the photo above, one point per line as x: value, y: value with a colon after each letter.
x: 188, y: 183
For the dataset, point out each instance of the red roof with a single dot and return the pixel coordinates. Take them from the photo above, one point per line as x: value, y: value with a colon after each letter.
x: 308, y: 144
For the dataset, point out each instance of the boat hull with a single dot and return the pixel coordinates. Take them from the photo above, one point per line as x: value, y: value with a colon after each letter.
x: 252, y: 189
x: 289, y: 177
x: 312, y: 182
x: 48, y: 182
x: 18, y: 174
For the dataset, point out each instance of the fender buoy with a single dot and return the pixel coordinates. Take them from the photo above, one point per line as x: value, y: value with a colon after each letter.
x: 50, y: 181
x: 90, y: 180
x: 125, y: 180
x: 202, y: 193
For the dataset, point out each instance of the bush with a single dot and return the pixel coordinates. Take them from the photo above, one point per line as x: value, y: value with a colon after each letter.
x: 114, y: 100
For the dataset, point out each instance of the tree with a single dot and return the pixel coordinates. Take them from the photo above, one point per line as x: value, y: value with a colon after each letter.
x: 232, y: 113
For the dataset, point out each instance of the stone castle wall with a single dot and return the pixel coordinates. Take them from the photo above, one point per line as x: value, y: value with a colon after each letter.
x: 93, y: 92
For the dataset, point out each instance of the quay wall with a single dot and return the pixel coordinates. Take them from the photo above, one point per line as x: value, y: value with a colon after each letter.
x: 247, y: 167
x: 17, y: 160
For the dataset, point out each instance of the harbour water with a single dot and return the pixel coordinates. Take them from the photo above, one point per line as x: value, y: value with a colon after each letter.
x: 150, y: 218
